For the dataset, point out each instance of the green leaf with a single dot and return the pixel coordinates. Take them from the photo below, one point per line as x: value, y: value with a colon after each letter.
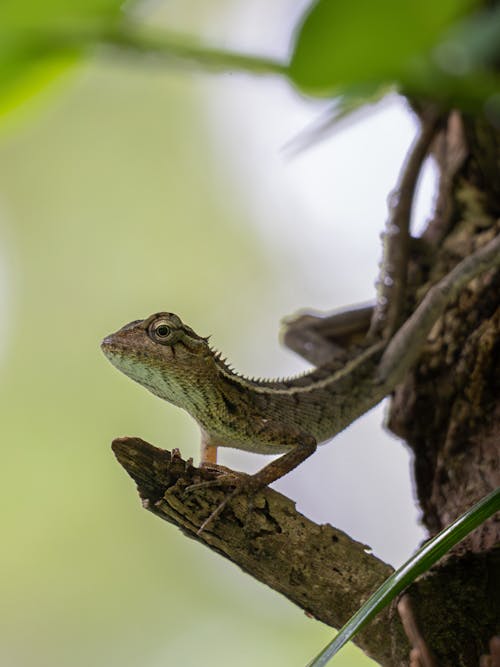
x: 460, y: 71
x: 429, y: 554
x: 344, y: 43
x: 471, y: 44
x: 22, y: 78
x: 18, y: 15
x: 37, y: 42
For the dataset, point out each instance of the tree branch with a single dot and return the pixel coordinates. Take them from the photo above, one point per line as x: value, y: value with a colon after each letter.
x: 392, y: 282
x: 395, y: 361
x: 319, y: 568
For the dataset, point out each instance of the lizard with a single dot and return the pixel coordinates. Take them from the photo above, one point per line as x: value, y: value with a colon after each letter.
x: 290, y: 416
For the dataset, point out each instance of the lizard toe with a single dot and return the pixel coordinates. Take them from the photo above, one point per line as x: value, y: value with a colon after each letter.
x: 225, y: 479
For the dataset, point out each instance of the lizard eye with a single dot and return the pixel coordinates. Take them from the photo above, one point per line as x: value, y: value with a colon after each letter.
x: 160, y: 331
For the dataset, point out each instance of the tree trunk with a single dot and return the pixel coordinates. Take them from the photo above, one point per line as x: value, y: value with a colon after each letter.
x: 448, y: 407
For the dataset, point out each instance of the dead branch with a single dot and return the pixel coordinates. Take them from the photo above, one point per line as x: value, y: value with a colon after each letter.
x: 319, y: 568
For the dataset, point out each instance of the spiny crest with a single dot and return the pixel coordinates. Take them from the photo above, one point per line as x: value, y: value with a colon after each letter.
x: 222, y: 362
x: 226, y: 367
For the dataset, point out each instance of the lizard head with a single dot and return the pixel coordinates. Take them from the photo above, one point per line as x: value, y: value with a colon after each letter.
x: 164, y: 355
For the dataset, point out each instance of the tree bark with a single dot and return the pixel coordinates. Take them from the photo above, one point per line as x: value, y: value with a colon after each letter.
x: 320, y: 568
x: 448, y: 408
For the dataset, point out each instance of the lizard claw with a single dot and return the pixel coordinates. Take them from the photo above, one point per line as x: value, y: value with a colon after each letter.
x: 240, y: 482
x: 225, y: 479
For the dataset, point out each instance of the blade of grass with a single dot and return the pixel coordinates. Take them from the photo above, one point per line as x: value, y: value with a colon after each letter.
x: 420, y: 562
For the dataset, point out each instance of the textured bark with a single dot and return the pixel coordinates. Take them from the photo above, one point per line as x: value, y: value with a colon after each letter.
x: 448, y: 408
x: 319, y: 568
x: 457, y: 607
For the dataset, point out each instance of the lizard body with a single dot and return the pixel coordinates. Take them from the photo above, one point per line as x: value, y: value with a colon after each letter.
x: 262, y: 416
x: 289, y: 416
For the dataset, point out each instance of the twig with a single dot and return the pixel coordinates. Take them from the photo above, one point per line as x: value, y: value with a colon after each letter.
x: 421, y: 655
x: 171, y: 46
x: 393, y: 276
x: 321, y: 338
x: 407, y: 343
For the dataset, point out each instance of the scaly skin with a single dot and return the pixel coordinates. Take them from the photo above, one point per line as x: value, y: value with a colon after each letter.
x: 264, y: 416
x: 289, y: 416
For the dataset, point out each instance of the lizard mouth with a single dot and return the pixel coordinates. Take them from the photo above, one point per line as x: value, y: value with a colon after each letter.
x: 112, y: 348
x: 109, y: 346
x: 107, y: 342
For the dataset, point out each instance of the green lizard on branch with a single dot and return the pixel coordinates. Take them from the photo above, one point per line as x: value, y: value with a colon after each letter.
x: 290, y: 416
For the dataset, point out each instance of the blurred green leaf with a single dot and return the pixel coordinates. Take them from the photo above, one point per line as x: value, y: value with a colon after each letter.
x: 24, y: 74
x: 341, y: 43
x: 422, y: 561
x: 461, y: 69
x: 55, y: 14
x: 37, y: 45
x: 470, y: 44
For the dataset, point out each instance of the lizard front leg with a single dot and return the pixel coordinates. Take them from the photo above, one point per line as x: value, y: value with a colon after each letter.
x: 208, y: 452
x: 301, y: 445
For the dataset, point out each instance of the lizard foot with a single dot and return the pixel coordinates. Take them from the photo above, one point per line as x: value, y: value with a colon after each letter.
x: 225, y: 478
x: 240, y: 482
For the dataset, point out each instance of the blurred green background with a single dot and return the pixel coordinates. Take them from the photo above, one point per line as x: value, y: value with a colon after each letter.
x: 133, y: 187
x: 112, y: 207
